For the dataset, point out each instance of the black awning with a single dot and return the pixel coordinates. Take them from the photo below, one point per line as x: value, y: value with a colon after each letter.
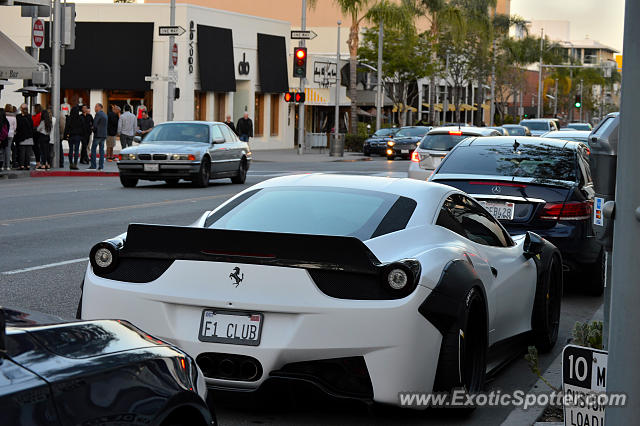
x: 107, y: 55
x: 215, y: 59
x: 272, y: 63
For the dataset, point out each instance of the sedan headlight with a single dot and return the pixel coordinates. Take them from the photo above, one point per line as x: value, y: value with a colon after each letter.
x: 391, y: 143
x: 183, y: 157
x: 128, y: 156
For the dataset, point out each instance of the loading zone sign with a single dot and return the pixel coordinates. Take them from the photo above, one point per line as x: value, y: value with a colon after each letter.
x: 584, y: 379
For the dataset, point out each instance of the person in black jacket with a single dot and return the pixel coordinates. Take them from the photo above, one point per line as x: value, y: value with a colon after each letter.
x: 229, y: 123
x: 112, y: 130
x: 24, y: 137
x: 74, y: 132
x: 87, y: 120
x: 244, y: 128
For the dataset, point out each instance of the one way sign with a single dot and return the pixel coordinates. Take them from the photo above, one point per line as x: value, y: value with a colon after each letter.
x: 175, y: 30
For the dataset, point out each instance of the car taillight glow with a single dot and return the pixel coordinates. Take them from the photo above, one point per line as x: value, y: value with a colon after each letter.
x: 415, y: 157
x: 455, y: 132
x: 572, y: 210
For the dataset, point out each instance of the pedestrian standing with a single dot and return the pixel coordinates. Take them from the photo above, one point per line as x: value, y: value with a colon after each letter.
x: 244, y: 128
x: 74, y: 132
x: 229, y: 123
x: 9, y: 154
x: 87, y: 125
x: 145, y: 124
x: 37, y: 109
x: 112, y: 130
x: 44, y: 130
x: 127, y: 127
x: 24, y: 137
x: 4, y: 139
x: 100, y: 124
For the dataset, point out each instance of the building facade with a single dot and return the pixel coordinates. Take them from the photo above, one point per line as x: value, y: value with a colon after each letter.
x: 227, y: 64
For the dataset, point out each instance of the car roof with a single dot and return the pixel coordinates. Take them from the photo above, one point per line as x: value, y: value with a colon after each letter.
x: 466, y: 130
x: 541, y: 120
x: 414, y: 127
x: 522, y: 140
x: 559, y: 134
x: 512, y: 125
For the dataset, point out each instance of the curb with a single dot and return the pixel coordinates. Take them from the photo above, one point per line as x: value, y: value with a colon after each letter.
x: 64, y: 173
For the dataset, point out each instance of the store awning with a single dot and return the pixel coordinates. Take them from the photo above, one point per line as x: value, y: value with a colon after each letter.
x: 402, y: 107
x: 436, y: 107
x: 215, y: 59
x: 15, y: 63
x: 272, y: 63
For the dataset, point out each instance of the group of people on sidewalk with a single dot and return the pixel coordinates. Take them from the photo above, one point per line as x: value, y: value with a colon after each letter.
x: 244, y: 128
x: 23, y: 134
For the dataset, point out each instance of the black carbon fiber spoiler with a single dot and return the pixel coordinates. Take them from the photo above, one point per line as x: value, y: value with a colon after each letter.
x: 268, y: 248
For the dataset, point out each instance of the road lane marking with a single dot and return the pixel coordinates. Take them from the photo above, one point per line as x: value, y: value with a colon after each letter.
x: 49, y: 265
x: 110, y: 209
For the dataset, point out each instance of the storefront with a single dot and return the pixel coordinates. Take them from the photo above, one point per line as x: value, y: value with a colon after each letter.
x: 228, y: 64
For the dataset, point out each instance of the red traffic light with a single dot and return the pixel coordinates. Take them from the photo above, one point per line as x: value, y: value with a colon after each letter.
x: 288, y: 97
x: 300, y: 62
x: 300, y: 97
x: 301, y: 53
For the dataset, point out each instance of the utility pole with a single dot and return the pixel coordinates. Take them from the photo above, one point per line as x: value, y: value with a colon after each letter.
x: 540, y: 100
x: 55, y: 83
x: 379, y: 88
x: 624, y: 340
x: 303, y: 27
x: 492, y: 107
x: 555, y: 101
x: 171, y: 85
x: 581, y: 83
x: 337, y: 117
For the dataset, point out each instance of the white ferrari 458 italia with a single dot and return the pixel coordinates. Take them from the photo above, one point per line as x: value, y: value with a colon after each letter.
x: 363, y: 286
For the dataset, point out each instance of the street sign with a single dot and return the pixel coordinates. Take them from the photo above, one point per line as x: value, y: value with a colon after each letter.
x: 174, y: 54
x: 325, y: 73
x: 175, y: 30
x: 37, y: 33
x: 156, y: 77
x: 584, y: 378
x: 303, y: 35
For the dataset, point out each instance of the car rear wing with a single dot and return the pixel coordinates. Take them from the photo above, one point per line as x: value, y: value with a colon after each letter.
x: 326, y: 252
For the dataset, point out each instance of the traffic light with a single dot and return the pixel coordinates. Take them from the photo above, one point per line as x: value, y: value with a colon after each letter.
x: 578, y: 103
x: 300, y: 62
x: 289, y: 96
x: 296, y: 97
x: 300, y: 97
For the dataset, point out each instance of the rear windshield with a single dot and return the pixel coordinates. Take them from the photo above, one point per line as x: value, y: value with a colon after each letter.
x: 316, y: 210
x: 441, y: 142
x: 579, y: 126
x: 412, y: 131
x: 541, y: 161
x: 535, y: 125
x: 516, y: 131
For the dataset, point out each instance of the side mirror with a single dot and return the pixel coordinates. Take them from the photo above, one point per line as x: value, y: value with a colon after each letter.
x: 137, y: 139
x: 533, y: 245
x: 218, y: 140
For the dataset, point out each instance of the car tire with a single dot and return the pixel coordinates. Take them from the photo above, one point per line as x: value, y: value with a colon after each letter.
x: 172, y: 181
x: 594, y: 276
x: 128, y: 182
x: 547, y: 307
x: 201, y: 180
x: 366, y: 152
x: 241, y: 177
x: 463, y: 353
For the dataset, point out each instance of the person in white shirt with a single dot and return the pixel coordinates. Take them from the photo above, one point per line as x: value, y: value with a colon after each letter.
x: 8, y: 150
x: 127, y: 127
x: 45, y: 129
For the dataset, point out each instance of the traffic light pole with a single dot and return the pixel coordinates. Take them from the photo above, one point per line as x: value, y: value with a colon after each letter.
x: 581, y: 84
x: 303, y: 27
x: 624, y: 340
x: 171, y: 85
x: 55, y: 84
x: 336, y: 126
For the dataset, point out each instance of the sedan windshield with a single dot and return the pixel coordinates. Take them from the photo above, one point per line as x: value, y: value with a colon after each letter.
x: 385, y: 132
x: 412, y: 132
x: 441, y: 142
x: 535, y: 125
x: 579, y: 126
x: 178, y: 132
x: 315, y: 210
x: 541, y: 161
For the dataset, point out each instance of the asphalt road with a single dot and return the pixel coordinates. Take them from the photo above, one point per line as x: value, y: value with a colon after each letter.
x: 48, y: 225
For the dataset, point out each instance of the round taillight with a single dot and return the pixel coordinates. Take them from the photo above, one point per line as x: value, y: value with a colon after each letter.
x: 104, y: 257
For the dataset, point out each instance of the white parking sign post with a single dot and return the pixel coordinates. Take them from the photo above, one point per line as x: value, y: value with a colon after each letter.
x: 584, y: 383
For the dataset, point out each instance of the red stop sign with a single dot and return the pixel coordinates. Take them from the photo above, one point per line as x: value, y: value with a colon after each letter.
x: 174, y: 54
x: 38, y: 33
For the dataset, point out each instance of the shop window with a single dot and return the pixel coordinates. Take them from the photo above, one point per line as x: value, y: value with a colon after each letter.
x: 258, y: 120
x: 275, y: 114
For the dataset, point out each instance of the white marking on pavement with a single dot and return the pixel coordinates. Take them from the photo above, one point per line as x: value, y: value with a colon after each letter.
x: 50, y: 265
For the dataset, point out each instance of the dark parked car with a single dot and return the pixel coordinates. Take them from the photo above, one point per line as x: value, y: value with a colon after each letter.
x: 502, y: 130
x: 405, y: 141
x: 533, y: 184
x: 98, y: 372
x: 517, y: 130
x: 579, y: 126
x: 377, y: 143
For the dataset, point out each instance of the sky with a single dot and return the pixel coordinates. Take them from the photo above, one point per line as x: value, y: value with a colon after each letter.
x: 601, y: 20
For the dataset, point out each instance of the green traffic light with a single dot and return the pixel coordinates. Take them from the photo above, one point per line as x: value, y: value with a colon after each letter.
x: 578, y: 104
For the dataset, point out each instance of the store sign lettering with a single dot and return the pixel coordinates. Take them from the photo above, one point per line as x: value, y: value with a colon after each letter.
x: 192, y: 35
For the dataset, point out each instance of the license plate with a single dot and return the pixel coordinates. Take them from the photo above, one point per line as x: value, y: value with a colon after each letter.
x: 499, y: 210
x: 404, y: 151
x: 235, y: 328
x: 152, y: 167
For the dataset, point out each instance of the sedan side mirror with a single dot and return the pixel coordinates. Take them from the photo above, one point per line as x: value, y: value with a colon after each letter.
x: 533, y: 245
x: 218, y: 140
x: 137, y: 139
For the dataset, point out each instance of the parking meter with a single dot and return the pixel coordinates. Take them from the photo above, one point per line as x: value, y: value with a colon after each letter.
x: 603, y: 144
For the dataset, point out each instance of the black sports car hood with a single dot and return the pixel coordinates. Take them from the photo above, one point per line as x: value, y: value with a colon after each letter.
x: 408, y: 139
x: 26, y: 317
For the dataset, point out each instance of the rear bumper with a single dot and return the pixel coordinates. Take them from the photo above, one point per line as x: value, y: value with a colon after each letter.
x: 416, y: 172
x: 400, y: 348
